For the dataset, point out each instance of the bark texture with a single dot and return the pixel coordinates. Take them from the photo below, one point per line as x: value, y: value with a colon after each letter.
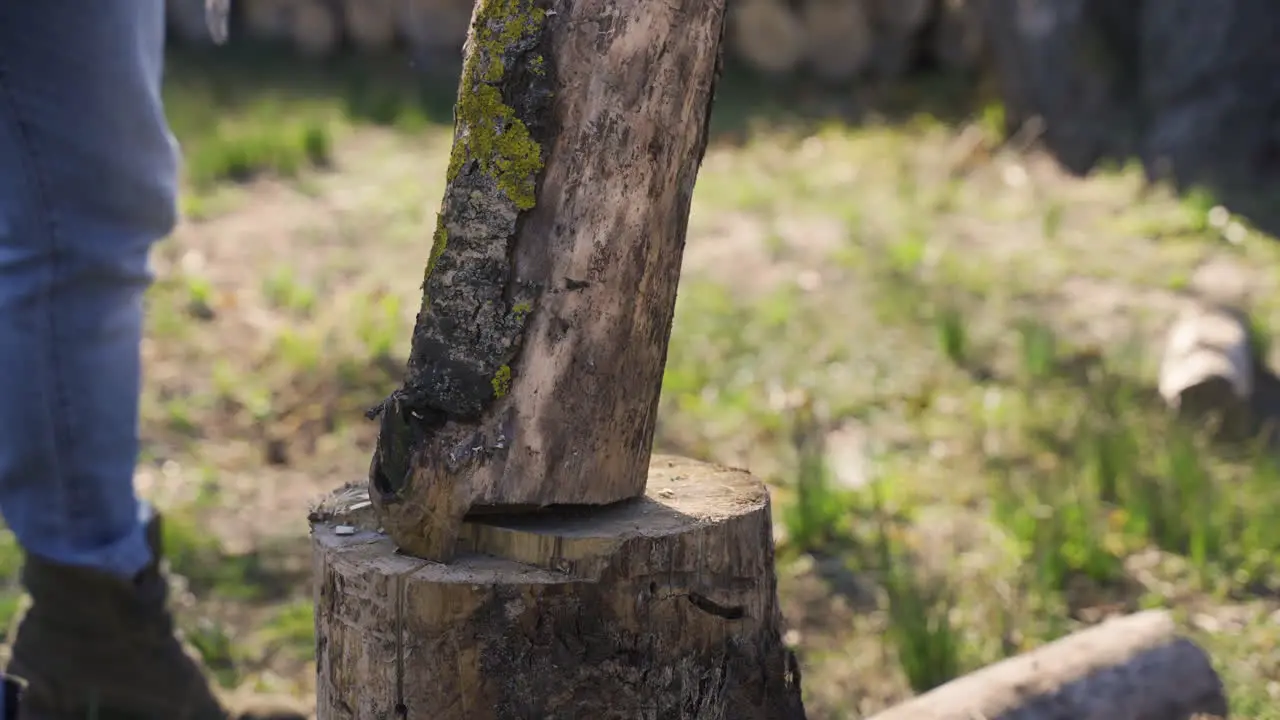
x: 538, y: 353
x: 660, y: 607
x: 1129, y: 668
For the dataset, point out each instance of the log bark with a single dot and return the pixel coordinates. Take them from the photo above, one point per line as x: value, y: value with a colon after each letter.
x: 659, y: 607
x: 538, y: 353
x: 1130, y: 668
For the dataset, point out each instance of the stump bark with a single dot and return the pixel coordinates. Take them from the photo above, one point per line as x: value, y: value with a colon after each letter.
x: 538, y: 353
x: 660, y: 607
x: 1130, y: 668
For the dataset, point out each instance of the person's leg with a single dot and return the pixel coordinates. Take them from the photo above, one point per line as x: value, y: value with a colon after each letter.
x: 88, y: 182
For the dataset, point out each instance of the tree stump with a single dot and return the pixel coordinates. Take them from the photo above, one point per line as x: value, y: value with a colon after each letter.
x: 659, y: 607
x: 1129, y: 668
x: 538, y: 353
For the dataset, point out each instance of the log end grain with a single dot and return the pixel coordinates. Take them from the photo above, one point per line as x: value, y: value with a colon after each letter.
x: 662, y: 606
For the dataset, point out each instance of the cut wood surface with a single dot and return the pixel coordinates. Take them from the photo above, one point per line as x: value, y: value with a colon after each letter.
x: 538, y: 353
x: 659, y: 607
x: 1128, y: 668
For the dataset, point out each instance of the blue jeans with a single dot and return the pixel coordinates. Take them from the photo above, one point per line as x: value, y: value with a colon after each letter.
x: 88, y: 182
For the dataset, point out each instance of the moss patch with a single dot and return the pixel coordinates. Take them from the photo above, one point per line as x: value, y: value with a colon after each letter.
x: 502, y: 381
x: 495, y: 138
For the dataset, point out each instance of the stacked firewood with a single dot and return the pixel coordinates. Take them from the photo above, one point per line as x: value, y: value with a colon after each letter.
x: 317, y: 28
x: 841, y: 40
x: 834, y: 40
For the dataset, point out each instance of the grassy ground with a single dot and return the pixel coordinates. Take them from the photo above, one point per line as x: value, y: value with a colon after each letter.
x: 938, y: 352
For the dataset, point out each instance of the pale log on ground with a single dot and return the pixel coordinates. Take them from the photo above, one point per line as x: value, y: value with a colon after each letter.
x: 661, y: 607
x: 1208, y: 371
x: 538, y: 353
x: 1128, y: 668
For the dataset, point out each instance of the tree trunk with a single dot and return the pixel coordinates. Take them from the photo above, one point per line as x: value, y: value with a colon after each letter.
x: 661, y: 607
x: 538, y: 353
x: 1130, y: 668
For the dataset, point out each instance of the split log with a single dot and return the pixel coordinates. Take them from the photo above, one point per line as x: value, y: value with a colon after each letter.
x: 315, y: 28
x: 663, y: 606
x: 767, y: 35
x: 370, y: 24
x: 957, y: 36
x: 434, y: 28
x: 268, y: 20
x: 1129, y: 668
x: 1207, y: 371
x: 838, y: 38
x: 538, y: 353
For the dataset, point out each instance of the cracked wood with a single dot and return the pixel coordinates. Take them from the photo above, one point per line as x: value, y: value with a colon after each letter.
x: 662, y: 607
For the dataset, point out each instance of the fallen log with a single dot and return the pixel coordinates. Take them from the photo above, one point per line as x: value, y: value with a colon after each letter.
x: 662, y: 607
x: 1128, y: 668
x: 1207, y: 372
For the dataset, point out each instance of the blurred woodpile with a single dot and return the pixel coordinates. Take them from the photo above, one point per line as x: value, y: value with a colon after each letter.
x: 836, y: 41
x: 318, y: 28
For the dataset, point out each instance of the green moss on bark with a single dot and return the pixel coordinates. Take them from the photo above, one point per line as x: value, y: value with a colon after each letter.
x: 495, y: 138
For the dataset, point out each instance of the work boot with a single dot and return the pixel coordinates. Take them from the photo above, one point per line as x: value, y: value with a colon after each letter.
x: 93, y: 645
